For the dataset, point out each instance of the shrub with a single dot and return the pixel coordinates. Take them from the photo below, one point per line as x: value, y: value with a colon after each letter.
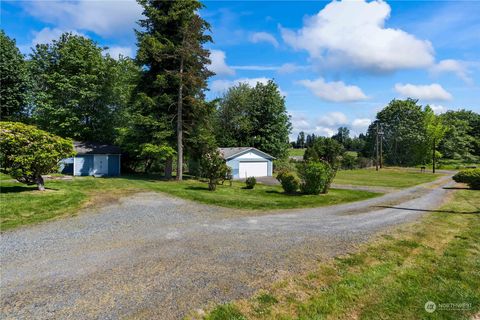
x: 280, y: 165
x: 316, y: 177
x: 214, y: 168
x: 250, y: 182
x: 471, y: 177
x: 28, y: 152
x: 289, y: 182
x: 349, y: 161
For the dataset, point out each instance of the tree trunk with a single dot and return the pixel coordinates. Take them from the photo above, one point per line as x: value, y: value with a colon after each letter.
x: 433, y: 156
x: 168, y: 167
x: 180, y: 126
x: 40, y: 183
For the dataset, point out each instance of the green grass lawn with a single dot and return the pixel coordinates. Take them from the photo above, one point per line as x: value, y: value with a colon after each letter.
x: 437, y: 259
x: 296, y: 152
x: 21, y: 204
x: 386, y: 177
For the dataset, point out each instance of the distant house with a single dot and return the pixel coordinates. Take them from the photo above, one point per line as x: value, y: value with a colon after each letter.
x: 93, y: 159
x: 248, y: 162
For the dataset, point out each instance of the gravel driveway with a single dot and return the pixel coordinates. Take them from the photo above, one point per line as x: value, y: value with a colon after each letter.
x: 154, y: 256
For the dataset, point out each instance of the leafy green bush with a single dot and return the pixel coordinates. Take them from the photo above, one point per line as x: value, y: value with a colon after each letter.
x: 471, y: 177
x: 28, y: 152
x: 250, y: 182
x: 280, y: 165
x: 349, y: 161
x: 289, y: 182
x: 316, y: 177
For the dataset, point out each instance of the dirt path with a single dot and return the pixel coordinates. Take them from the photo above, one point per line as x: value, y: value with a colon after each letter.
x: 153, y: 256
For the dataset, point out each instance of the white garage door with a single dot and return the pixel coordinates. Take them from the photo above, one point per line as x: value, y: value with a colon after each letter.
x: 253, y: 169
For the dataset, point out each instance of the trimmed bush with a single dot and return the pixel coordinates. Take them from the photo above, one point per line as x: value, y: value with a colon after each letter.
x: 250, y: 182
x: 315, y: 177
x: 289, y: 182
x: 471, y: 177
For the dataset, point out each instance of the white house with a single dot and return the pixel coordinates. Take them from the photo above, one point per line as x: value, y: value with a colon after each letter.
x: 248, y: 162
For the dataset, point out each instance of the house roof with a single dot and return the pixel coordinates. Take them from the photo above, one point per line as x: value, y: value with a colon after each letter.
x: 88, y: 147
x: 229, y: 153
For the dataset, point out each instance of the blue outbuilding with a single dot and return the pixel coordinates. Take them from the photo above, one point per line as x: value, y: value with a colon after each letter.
x: 93, y: 159
x: 248, y: 162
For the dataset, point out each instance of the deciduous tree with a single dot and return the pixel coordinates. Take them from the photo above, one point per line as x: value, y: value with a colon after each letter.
x: 28, y: 153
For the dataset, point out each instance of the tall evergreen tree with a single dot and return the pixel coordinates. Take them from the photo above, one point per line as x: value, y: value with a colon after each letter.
x: 13, y: 80
x: 172, y: 54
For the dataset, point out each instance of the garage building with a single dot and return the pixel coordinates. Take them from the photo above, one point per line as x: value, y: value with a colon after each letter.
x: 93, y: 159
x: 248, y: 162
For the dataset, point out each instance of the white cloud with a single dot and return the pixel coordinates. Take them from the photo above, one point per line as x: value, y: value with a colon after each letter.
x: 336, y: 91
x: 255, y: 68
x: 333, y: 119
x: 115, y: 52
x: 290, y: 68
x: 452, y: 66
x: 352, y: 34
x: 105, y: 18
x: 361, y: 124
x: 264, y: 37
x: 47, y: 35
x: 429, y: 92
x: 438, y: 109
x: 220, y: 86
x: 218, y: 65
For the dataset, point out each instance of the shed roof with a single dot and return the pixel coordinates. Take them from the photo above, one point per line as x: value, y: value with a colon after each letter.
x: 229, y: 153
x: 88, y: 147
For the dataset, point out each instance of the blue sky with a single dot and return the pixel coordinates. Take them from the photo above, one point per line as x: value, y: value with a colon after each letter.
x: 337, y: 63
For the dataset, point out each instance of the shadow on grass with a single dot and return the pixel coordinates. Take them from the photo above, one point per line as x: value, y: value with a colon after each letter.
x: 18, y: 189
x: 456, y: 188
x: 283, y: 193
x: 197, y: 188
x: 426, y: 210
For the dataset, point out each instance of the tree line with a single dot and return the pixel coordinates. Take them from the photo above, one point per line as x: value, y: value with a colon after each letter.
x: 411, y: 135
x: 153, y: 106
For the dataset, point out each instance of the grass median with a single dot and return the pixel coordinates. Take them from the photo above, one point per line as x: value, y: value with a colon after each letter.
x: 434, y: 261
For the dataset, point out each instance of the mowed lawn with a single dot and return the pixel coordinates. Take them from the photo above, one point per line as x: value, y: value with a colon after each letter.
x: 21, y: 204
x: 436, y: 260
x: 386, y: 177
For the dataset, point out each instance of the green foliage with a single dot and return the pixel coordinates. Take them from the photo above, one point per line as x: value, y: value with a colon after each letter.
x: 462, y: 136
x: 28, y: 152
x: 13, y: 79
x: 77, y: 92
x: 349, y: 161
x: 214, y: 168
x: 250, y: 182
x: 471, y: 177
x: 289, y: 181
x: 254, y: 117
x: 316, y: 177
x: 151, y: 153
x: 225, y: 312
x: 280, y: 165
x: 325, y: 149
x: 174, y: 62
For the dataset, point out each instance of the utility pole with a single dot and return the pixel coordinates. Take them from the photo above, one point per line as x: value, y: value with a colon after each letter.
x: 376, y: 150
x: 381, y: 147
x: 433, y: 155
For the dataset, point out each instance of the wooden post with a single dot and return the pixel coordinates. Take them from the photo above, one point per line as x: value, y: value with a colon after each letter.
x: 376, y: 150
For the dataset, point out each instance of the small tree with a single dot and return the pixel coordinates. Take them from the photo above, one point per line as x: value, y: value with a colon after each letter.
x: 214, y: 168
x: 27, y: 152
x: 315, y: 177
